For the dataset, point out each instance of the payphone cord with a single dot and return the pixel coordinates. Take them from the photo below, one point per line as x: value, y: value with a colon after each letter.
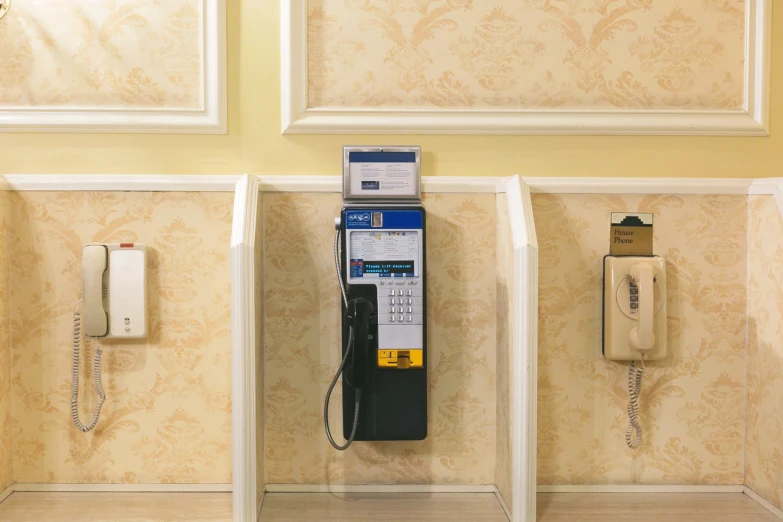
x: 348, y: 351
x: 357, y: 396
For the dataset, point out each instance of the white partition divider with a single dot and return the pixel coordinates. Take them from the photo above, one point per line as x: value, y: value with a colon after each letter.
x: 248, y: 486
x: 524, y: 345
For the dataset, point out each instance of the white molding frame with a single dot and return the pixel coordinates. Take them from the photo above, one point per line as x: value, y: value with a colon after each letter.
x: 380, y: 488
x: 440, y: 184
x: 243, y: 349
x: 524, y: 339
x: 122, y: 488
x: 769, y: 506
x: 769, y: 186
x: 119, y: 183
x: 670, y: 186
x: 752, y: 120
x: 641, y: 488
x: 210, y: 119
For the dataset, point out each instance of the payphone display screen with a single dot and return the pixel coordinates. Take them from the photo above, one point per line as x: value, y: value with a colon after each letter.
x: 389, y: 267
x: 384, y: 253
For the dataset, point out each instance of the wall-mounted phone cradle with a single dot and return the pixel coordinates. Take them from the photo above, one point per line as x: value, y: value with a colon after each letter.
x: 115, y: 290
x: 114, y: 306
x: 634, y: 308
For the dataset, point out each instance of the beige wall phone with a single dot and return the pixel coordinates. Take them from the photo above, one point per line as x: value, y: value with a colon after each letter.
x: 634, y: 322
x: 114, y: 306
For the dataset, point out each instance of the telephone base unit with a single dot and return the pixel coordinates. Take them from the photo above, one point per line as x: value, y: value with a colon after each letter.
x: 383, y: 263
x: 625, y: 302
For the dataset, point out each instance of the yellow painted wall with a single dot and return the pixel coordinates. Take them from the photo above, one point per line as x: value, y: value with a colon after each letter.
x: 254, y: 143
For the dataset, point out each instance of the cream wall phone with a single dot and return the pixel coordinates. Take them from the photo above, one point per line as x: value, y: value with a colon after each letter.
x: 634, y: 322
x: 114, y: 306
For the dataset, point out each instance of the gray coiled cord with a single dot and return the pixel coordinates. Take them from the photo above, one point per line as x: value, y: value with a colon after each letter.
x: 634, y: 389
x: 96, y: 371
x: 357, y: 393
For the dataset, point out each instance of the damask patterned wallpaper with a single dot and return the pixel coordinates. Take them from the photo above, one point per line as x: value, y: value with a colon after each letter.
x: 692, y: 405
x: 527, y: 54
x: 764, y: 466
x: 102, y: 53
x: 505, y: 325
x: 6, y: 450
x: 301, y: 329
x: 167, y: 416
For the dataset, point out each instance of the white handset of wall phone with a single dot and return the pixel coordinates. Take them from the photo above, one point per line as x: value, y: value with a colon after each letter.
x: 641, y: 337
x: 634, y: 322
x: 114, y: 306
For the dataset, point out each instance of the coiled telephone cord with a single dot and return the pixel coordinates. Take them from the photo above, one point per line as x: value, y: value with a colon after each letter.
x: 634, y: 390
x: 96, y: 371
x: 349, y: 349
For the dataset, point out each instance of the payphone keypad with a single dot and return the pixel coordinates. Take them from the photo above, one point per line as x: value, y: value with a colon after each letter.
x: 405, y: 305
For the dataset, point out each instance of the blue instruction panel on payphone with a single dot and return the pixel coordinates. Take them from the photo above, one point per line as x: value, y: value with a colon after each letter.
x: 384, y: 243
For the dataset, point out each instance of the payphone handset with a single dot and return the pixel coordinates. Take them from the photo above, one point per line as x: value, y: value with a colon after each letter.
x: 380, y: 261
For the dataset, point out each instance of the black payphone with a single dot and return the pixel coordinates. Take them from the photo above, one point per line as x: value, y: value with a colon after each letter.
x: 380, y: 259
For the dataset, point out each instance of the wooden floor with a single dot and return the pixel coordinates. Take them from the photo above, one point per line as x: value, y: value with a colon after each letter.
x: 408, y: 507
x: 448, y: 507
x: 116, y: 507
x: 649, y: 507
